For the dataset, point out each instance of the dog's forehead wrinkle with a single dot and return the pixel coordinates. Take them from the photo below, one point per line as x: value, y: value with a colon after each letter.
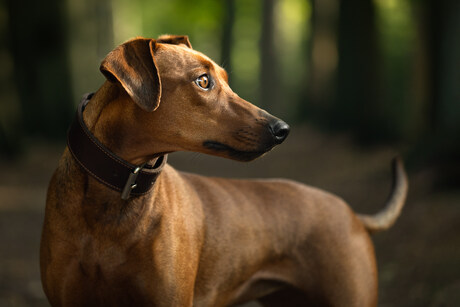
x: 181, y: 58
x: 200, y: 60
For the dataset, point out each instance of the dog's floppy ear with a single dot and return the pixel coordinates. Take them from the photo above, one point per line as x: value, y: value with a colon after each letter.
x: 133, y: 65
x: 175, y: 40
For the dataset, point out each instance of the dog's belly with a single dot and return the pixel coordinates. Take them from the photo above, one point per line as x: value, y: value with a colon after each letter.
x: 261, y: 284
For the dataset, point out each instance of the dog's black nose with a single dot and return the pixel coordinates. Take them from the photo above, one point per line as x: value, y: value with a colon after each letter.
x: 279, y: 130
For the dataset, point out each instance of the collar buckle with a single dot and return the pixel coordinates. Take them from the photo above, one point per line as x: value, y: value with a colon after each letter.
x: 131, y: 182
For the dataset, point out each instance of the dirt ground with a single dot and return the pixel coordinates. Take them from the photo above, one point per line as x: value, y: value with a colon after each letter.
x: 419, y: 258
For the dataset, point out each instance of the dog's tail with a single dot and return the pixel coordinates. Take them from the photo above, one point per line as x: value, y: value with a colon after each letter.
x: 388, y: 216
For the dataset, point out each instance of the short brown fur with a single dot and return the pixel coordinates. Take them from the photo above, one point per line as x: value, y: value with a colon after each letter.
x: 196, y: 241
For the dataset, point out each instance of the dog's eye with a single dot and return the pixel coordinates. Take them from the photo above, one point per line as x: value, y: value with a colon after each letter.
x: 203, y: 82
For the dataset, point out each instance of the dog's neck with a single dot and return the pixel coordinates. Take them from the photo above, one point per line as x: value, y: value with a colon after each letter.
x: 109, y: 116
x: 104, y: 121
x: 100, y: 161
x: 98, y: 203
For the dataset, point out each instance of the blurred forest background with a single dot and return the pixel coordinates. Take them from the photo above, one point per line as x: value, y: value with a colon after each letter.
x: 357, y: 79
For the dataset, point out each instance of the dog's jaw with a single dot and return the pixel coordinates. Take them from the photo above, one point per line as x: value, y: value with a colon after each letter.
x: 233, y: 153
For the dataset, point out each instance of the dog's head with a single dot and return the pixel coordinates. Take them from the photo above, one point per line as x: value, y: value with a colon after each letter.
x: 182, y: 101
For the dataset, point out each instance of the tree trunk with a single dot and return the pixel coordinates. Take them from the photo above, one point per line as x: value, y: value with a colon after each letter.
x: 440, y: 140
x: 269, y: 78
x: 10, y: 120
x: 227, y: 36
x: 323, y: 58
x: 444, y: 49
x: 37, y: 34
x: 357, y: 102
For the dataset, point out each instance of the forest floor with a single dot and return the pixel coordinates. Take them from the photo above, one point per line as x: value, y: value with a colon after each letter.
x: 418, y: 258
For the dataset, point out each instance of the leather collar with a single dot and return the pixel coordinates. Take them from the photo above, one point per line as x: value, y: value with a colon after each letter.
x: 104, y: 165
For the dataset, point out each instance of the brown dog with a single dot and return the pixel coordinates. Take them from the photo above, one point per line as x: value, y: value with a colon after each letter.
x: 188, y: 240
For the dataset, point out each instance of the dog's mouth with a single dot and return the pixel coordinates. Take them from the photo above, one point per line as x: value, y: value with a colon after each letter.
x: 234, y: 153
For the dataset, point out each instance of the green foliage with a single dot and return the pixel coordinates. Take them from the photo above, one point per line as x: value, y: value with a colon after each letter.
x: 200, y: 20
x: 245, y: 49
x: 395, y: 80
x: 397, y: 37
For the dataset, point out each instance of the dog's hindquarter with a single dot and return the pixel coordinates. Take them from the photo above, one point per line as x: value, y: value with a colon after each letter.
x: 265, y: 235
